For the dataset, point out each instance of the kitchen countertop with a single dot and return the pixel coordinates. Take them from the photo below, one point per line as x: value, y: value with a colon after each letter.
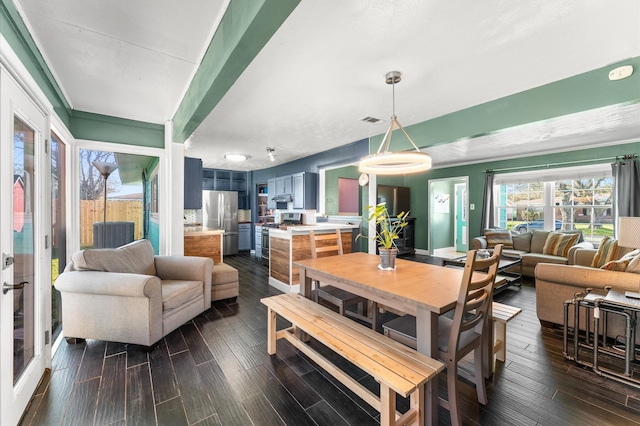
x: 304, y: 229
x: 192, y: 231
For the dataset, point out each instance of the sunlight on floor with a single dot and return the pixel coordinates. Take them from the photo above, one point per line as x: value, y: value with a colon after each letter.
x: 448, y: 253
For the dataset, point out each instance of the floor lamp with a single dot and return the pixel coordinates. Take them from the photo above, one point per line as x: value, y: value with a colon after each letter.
x: 105, y: 169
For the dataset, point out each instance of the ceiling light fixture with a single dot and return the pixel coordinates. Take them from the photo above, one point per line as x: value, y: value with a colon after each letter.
x: 385, y: 162
x: 270, y: 154
x: 235, y: 157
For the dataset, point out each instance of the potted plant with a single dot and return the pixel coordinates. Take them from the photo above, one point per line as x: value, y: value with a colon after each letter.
x: 387, y: 230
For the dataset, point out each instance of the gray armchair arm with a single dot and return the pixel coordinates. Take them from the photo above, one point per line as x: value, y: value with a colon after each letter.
x: 190, y: 268
x: 109, y: 284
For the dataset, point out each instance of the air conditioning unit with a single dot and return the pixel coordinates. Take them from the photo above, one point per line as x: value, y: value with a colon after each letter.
x: 117, y: 234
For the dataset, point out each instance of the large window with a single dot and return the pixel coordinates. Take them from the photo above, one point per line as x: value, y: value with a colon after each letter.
x: 562, y: 199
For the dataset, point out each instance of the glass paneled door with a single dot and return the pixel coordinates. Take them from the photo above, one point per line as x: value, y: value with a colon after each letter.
x: 24, y: 218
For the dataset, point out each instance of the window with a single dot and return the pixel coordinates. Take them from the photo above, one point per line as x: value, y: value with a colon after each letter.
x: 154, y: 195
x: 559, y: 199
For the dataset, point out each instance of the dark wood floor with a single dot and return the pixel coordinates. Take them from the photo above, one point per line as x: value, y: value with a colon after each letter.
x: 215, y: 371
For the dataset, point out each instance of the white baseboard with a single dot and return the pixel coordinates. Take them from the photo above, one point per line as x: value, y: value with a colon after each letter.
x: 285, y: 288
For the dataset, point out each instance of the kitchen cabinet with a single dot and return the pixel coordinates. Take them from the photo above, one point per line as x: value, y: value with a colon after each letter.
x: 192, y: 183
x: 244, y: 236
x: 305, y: 190
x: 283, y: 185
x: 227, y: 180
x: 271, y: 192
x: 204, y: 242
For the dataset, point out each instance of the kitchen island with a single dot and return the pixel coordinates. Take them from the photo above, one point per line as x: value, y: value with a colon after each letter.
x: 291, y: 243
x: 204, y: 242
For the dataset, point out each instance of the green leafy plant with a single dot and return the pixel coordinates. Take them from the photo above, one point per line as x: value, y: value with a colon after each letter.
x: 387, y: 229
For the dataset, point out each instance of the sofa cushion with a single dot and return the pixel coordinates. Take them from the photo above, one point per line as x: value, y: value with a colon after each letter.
x: 606, y: 252
x: 531, y: 260
x: 495, y: 237
x: 522, y: 242
x: 176, y: 293
x: 134, y: 258
x: 558, y: 243
x: 538, y: 240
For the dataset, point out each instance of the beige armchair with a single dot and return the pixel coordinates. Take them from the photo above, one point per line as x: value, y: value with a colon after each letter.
x: 129, y: 295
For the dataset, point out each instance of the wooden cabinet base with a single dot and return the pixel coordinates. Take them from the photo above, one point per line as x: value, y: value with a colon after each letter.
x: 204, y: 246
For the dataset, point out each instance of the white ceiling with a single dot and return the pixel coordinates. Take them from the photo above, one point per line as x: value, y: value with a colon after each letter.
x: 324, y: 68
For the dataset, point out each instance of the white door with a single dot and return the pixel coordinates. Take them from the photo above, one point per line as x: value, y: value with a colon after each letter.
x: 24, y: 217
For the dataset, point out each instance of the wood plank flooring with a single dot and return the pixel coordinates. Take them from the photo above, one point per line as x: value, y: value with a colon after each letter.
x: 214, y: 370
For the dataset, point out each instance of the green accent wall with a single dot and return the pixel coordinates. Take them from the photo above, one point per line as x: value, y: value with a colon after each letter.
x: 581, y: 92
x: 85, y: 125
x: 476, y: 173
x: 419, y: 184
x: 244, y: 30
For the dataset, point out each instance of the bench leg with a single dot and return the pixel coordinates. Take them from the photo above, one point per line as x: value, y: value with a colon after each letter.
x: 387, y: 406
x: 271, y: 331
x: 501, y: 340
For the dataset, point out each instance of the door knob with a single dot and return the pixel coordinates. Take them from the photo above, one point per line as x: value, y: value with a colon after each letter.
x: 6, y: 287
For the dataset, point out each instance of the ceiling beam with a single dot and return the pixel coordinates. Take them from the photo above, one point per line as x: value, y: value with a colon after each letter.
x: 244, y: 30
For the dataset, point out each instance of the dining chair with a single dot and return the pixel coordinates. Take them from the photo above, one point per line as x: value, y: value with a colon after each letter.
x: 330, y: 244
x: 463, y: 333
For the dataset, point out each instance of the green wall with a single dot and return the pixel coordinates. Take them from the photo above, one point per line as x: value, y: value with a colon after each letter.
x: 476, y: 172
x: 578, y: 93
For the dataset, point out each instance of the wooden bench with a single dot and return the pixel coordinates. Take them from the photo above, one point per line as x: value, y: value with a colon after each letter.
x: 500, y: 315
x: 398, y: 368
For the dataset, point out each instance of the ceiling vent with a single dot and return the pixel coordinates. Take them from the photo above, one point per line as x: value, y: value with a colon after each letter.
x: 371, y: 120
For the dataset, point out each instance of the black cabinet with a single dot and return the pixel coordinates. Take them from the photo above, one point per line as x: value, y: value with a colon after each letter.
x: 192, y: 183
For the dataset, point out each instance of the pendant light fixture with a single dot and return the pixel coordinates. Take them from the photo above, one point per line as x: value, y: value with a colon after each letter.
x: 385, y: 162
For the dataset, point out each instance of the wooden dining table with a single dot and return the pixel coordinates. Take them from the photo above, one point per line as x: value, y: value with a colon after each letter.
x: 422, y: 290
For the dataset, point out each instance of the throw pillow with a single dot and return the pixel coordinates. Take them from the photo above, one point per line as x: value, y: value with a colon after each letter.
x: 499, y: 237
x: 558, y: 244
x: 134, y: 258
x: 605, y: 253
x: 616, y: 265
x: 634, y: 265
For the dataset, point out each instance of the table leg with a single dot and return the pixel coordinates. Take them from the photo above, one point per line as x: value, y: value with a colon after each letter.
x: 305, y: 291
x: 427, y: 340
x: 305, y: 283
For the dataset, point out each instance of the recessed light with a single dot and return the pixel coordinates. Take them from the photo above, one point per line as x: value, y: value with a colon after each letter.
x: 235, y: 157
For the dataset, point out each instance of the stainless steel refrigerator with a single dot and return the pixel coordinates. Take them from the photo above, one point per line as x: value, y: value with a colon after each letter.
x: 220, y: 211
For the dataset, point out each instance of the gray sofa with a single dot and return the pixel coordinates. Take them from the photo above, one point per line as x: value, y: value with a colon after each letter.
x: 557, y: 283
x: 529, y: 246
x: 129, y: 295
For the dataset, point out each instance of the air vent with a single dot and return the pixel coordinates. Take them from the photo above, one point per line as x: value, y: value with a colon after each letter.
x: 371, y: 120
